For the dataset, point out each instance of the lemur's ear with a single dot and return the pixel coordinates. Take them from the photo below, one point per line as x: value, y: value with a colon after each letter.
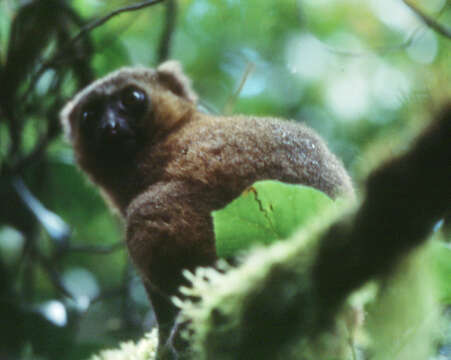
x: 171, y: 76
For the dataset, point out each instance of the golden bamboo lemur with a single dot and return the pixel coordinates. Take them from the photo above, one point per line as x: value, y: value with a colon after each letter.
x: 138, y: 134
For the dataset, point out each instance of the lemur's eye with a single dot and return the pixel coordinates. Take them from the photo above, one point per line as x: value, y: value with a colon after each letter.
x: 133, y: 100
x: 91, y: 112
x: 88, y: 114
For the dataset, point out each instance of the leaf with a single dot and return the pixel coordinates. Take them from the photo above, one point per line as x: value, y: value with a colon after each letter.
x: 266, y: 212
x: 441, y: 255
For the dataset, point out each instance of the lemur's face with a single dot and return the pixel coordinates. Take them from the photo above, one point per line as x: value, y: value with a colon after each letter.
x: 107, y: 120
x: 111, y: 123
x: 116, y: 116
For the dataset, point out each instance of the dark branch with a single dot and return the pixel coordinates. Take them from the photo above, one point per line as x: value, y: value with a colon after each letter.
x: 377, y: 49
x: 52, y: 61
x: 93, y: 249
x: 405, y: 198
x: 166, y: 38
x: 55, y: 278
x: 32, y: 157
x: 109, y: 293
x: 91, y: 26
x: 430, y: 22
x: 57, y: 229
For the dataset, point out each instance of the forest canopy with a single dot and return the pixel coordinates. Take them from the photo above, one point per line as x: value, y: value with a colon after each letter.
x: 367, y: 76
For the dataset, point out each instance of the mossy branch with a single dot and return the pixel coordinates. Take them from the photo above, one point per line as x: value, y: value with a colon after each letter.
x: 289, y: 295
x: 289, y: 301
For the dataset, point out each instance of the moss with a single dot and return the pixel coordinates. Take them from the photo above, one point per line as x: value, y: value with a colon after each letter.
x: 266, y: 308
x: 144, y: 349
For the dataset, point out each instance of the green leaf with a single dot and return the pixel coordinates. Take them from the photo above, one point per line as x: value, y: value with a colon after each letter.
x: 266, y: 212
x: 441, y: 253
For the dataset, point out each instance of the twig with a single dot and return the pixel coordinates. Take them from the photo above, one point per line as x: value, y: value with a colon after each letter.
x: 55, y: 277
x: 127, y: 309
x: 14, y: 131
x: 165, y: 42
x: 378, y: 49
x: 31, y: 158
x: 231, y: 102
x: 382, y: 49
x: 27, y: 264
x: 91, y: 26
x: 108, y: 294
x: 434, y: 25
x: 93, y: 249
x: 84, y: 30
x: 57, y: 229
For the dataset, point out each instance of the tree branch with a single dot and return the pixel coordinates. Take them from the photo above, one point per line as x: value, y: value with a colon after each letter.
x: 378, y: 49
x: 165, y: 42
x: 55, y: 278
x: 313, y: 273
x: 91, y: 26
x: 232, y: 100
x: 51, y: 62
x: 95, y: 249
x: 405, y: 198
x: 434, y: 25
x: 57, y: 229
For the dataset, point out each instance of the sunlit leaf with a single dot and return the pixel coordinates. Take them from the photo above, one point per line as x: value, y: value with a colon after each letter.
x: 441, y: 253
x: 266, y: 212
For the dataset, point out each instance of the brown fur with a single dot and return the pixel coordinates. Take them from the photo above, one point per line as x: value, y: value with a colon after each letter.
x: 190, y: 164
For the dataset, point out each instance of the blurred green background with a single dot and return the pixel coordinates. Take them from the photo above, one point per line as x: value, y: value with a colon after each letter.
x: 365, y: 74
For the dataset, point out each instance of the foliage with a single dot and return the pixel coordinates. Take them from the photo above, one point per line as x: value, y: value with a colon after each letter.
x: 400, y: 311
x: 145, y: 349
x: 366, y: 86
x: 442, y: 261
x: 266, y: 212
x: 393, y: 318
